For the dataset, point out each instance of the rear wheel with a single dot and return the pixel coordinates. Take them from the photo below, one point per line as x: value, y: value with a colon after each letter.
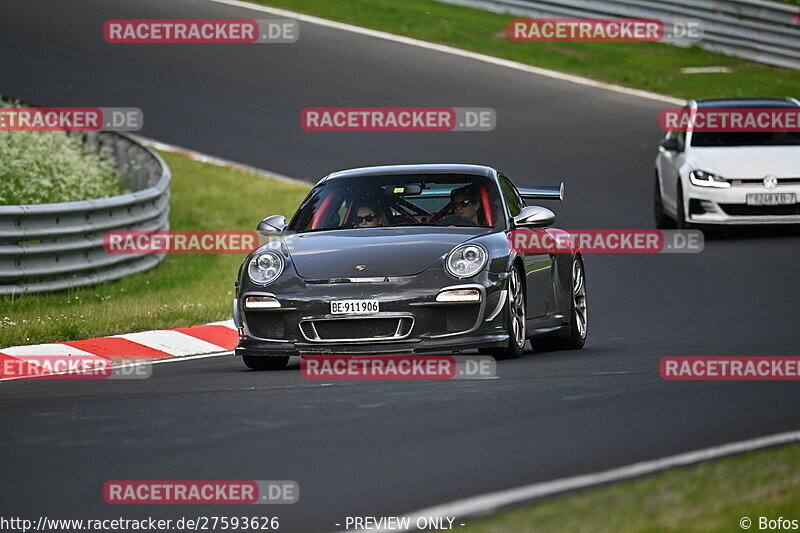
x: 578, y: 326
x: 257, y: 362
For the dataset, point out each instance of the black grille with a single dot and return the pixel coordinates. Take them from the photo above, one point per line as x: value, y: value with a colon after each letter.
x: 760, y: 210
x: 265, y: 325
x: 461, y: 317
x: 451, y: 319
x: 760, y: 181
x: 359, y: 328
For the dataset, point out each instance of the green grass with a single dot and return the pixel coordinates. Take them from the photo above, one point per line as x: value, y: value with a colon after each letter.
x: 42, y: 167
x: 184, y: 289
x: 710, y: 497
x: 649, y: 66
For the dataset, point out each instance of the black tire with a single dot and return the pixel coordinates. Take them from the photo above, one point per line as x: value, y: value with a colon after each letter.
x: 257, y: 362
x: 578, y: 319
x: 515, y: 319
x: 663, y: 221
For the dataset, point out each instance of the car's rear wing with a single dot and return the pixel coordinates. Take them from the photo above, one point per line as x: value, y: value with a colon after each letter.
x: 543, y: 192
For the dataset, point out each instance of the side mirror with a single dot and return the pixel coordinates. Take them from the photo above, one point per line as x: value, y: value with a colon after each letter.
x: 271, y: 226
x: 534, y: 216
x: 670, y: 144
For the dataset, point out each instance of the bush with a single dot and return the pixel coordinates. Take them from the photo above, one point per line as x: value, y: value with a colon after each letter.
x: 40, y: 167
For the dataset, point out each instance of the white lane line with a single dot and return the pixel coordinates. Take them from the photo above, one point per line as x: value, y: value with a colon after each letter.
x: 172, y: 342
x: 453, y: 51
x: 494, y: 501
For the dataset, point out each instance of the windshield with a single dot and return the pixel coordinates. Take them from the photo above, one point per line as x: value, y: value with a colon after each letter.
x: 399, y: 200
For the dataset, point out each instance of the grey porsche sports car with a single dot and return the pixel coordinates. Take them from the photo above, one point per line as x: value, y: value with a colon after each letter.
x: 408, y: 259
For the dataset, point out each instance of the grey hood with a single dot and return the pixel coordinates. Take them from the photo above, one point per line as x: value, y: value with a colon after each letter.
x: 382, y: 251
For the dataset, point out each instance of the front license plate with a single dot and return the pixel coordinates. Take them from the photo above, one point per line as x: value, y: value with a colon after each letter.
x: 354, y: 307
x: 772, y: 199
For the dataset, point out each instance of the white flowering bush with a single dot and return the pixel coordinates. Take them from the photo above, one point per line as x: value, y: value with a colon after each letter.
x: 41, y: 167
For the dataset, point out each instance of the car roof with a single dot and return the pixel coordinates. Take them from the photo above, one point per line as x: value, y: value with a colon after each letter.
x: 747, y: 103
x: 428, y: 168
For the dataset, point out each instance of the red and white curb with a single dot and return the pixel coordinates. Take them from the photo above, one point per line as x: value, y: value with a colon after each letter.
x: 213, y: 338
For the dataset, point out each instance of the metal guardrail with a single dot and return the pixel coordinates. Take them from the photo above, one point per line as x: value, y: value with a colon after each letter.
x: 52, y: 247
x: 758, y: 30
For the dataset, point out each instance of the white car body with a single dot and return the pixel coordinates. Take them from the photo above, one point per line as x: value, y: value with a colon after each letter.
x: 744, y: 171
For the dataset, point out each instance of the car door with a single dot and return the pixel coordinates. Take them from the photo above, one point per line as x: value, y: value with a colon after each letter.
x: 538, y: 266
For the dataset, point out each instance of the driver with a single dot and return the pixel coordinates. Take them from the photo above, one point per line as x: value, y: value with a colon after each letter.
x: 465, y: 202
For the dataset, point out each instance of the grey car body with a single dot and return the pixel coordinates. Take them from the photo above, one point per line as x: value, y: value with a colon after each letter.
x: 403, y: 268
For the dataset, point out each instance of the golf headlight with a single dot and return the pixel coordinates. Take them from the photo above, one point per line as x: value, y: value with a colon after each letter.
x: 706, y: 179
x: 466, y: 260
x: 265, y: 267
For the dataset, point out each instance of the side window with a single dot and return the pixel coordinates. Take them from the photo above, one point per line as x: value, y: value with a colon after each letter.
x: 511, y: 197
x: 679, y: 135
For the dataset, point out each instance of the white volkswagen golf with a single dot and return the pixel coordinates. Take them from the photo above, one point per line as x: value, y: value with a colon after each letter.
x: 714, y: 177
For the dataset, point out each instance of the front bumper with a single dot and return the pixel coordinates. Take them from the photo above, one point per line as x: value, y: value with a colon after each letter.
x: 706, y: 205
x: 410, y: 319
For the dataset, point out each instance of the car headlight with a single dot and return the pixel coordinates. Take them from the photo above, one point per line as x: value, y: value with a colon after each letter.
x: 466, y: 260
x: 706, y: 179
x: 265, y: 267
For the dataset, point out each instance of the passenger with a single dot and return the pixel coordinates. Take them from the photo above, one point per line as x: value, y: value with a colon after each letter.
x: 369, y: 216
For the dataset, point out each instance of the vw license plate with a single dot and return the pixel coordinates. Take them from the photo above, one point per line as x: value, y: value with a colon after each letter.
x: 354, y: 307
x: 772, y: 199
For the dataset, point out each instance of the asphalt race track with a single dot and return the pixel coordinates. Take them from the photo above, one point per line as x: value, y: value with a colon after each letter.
x: 382, y: 448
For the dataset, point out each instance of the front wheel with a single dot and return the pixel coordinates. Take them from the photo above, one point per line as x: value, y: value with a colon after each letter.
x: 515, y: 320
x: 680, y: 211
x: 663, y: 221
x: 580, y: 323
x: 257, y: 362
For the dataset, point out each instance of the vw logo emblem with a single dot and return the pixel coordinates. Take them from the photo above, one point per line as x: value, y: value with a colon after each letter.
x: 770, y: 182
